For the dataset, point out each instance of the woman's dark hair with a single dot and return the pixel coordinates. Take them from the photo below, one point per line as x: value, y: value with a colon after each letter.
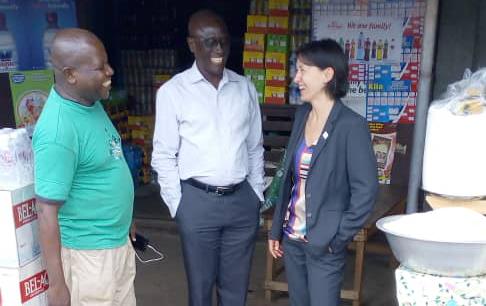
x: 327, y: 53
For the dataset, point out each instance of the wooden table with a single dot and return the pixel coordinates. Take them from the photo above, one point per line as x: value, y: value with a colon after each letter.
x: 391, y: 200
x: 436, y: 201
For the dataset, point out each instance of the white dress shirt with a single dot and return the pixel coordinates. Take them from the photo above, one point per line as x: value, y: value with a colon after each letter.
x: 208, y: 134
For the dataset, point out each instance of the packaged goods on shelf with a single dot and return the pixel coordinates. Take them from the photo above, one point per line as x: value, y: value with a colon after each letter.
x: 254, y: 42
x: 256, y: 24
x: 275, y: 95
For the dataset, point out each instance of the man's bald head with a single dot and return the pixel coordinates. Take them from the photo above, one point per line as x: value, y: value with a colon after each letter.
x: 70, y: 46
x: 202, y: 18
x: 82, y: 71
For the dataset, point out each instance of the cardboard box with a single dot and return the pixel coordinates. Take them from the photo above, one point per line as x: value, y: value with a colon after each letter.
x: 276, y: 60
x: 257, y: 77
x: 261, y: 94
x: 25, y: 286
x: 278, y: 25
x: 276, y: 78
x: 275, y: 95
x: 19, y: 228
x: 253, y: 60
x: 141, y: 123
x: 256, y: 24
x: 254, y: 42
x: 277, y: 43
x: 278, y: 7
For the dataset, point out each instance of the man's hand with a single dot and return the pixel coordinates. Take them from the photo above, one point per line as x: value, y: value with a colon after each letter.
x: 133, y: 231
x: 58, y: 295
x: 275, y: 248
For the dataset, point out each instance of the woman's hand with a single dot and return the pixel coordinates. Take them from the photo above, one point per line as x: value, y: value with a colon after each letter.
x: 275, y: 248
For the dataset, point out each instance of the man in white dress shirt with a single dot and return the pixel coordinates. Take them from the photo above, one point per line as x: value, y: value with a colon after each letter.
x: 208, y: 154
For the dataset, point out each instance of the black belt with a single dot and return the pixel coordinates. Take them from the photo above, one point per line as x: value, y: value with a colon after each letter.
x: 219, y: 190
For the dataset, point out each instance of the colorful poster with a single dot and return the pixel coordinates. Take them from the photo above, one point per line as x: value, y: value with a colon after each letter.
x: 366, y: 39
x: 46, y: 18
x: 29, y: 93
x: 383, y: 41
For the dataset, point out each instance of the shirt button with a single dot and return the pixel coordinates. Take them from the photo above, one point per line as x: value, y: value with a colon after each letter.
x: 309, y: 215
x: 308, y: 195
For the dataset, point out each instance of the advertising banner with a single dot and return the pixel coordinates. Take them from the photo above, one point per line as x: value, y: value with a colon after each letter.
x: 29, y: 93
x: 27, y: 28
x: 368, y: 39
x: 383, y: 43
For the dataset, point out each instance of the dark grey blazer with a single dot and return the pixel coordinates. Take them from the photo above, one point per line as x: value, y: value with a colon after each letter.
x: 342, y: 181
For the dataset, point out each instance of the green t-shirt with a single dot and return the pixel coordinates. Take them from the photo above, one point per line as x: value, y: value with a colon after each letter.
x: 79, y: 161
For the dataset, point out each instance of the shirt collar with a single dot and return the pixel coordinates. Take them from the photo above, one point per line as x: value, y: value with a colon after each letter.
x: 196, y: 76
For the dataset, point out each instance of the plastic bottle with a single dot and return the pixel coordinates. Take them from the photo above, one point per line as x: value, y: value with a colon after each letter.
x: 346, y: 49
x: 367, y: 49
x: 49, y: 33
x: 8, y: 49
x: 385, y: 49
x: 379, y: 50
x: 352, y: 53
x: 373, y: 49
x: 360, y: 51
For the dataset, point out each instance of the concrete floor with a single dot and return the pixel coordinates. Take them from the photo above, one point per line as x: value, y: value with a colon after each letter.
x: 164, y: 283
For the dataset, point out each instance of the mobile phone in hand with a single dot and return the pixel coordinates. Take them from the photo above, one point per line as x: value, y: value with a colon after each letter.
x: 141, y: 243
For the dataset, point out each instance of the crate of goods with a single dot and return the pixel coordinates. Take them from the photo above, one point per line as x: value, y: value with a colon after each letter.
x: 275, y: 95
x: 257, y: 77
x: 254, y: 42
x: 256, y: 24
x: 278, y: 25
x: 18, y: 227
x: 276, y: 78
x: 276, y: 60
x: 253, y: 60
x: 278, y: 7
x: 24, y: 286
x: 277, y: 43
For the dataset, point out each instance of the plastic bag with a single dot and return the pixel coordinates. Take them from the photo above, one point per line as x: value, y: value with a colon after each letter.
x: 16, y: 159
x: 272, y: 193
x: 468, y: 96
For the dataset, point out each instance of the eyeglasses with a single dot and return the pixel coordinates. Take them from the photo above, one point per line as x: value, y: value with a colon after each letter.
x: 213, y: 42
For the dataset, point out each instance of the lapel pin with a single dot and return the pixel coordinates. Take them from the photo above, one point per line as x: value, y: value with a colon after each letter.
x: 325, y: 135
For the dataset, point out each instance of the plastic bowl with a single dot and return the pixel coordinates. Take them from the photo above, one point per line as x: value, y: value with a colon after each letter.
x: 436, y: 257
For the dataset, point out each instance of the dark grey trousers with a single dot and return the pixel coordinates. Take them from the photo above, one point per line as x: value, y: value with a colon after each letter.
x: 218, y: 238
x: 314, y: 277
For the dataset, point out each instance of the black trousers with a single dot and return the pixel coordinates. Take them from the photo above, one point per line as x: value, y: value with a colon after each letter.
x: 218, y: 238
x: 314, y: 277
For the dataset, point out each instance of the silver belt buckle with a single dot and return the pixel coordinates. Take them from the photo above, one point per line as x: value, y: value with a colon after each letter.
x: 219, y: 191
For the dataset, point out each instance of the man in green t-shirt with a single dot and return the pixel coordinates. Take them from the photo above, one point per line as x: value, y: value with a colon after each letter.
x: 83, y: 185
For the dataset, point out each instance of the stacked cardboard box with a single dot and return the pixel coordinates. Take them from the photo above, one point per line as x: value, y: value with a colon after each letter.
x: 266, y: 49
x: 23, y: 277
x: 253, y: 54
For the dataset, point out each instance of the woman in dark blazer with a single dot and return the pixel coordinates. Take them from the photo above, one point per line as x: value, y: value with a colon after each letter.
x: 329, y: 182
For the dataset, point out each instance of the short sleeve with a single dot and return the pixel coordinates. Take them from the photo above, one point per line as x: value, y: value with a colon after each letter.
x: 55, y: 166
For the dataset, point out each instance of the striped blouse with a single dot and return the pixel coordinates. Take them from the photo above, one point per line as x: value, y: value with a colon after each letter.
x: 295, y: 226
